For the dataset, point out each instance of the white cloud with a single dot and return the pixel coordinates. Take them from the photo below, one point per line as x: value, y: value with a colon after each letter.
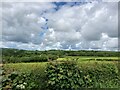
x: 86, y: 26
x: 112, y: 43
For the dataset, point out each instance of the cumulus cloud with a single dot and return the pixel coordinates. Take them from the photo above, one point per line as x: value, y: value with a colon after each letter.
x: 71, y: 26
x: 22, y: 22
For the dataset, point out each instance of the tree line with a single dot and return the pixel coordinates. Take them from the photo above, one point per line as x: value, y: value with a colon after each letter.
x: 16, y: 55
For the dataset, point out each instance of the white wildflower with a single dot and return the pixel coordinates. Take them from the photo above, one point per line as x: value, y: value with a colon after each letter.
x: 21, y: 86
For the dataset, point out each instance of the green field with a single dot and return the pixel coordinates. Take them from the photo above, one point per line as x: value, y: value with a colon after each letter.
x: 27, y: 67
x: 23, y: 67
x: 89, y: 58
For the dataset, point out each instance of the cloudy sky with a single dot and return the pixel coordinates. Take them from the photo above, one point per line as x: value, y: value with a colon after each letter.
x: 60, y: 25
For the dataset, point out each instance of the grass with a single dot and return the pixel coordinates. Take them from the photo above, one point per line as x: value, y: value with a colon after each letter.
x: 81, y: 60
x: 27, y: 67
x: 94, y: 64
x: 89, y: 58
x: 24, y: 67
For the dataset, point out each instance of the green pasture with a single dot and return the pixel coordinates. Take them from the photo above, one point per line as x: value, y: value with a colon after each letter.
x: 89, y: 58
x: 27, y: 67
x: 24, y: 67
x: 41, y: 66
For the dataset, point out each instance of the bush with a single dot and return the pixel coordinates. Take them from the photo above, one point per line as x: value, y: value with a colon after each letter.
x: 66, y: 75
x: 52, y: 57
x: 63, y: 75
x: 102, y: 75
x: 24, y: 81
x: 19, y: 81
x: 41, y: 58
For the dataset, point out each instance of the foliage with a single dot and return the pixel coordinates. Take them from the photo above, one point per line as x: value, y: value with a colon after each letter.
x: 40, y: 58
x: 65, y: 75
x: 31, y: 73
x: 102, y: 74
x: 23, y: 81
x: 15, y: 55
x: 52, y: 57
x: 18, y: 81
x: 84, y: 69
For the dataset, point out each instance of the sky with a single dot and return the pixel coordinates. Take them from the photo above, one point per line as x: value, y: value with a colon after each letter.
x: 60, y: 25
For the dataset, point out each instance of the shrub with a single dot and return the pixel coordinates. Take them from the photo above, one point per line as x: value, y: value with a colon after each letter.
x: 23, y: 81
x: 102, y: 75
x: 66, y: 75
x: 41, y: 58
x: 63, y: 75
x: 52, y: 57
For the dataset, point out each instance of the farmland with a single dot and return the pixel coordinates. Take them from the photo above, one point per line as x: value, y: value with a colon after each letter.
x: 85, y: 71
x: 89, y: 58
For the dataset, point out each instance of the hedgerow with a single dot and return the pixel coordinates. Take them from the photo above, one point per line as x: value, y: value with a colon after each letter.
x: 37, y: 58
x: 67, y: 75
x: 63, y: 75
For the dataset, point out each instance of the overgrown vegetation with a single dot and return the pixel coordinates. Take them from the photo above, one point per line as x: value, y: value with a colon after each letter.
x: 68, y: 75
x: 23, y: 81
x: 57, y: 75
x: 63, y: 75
x: 58, y: 69
x: 24, y: 76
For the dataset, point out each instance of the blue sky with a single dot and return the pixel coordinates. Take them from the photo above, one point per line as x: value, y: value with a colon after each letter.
x: 60, y: 25
x: 60, y: 4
